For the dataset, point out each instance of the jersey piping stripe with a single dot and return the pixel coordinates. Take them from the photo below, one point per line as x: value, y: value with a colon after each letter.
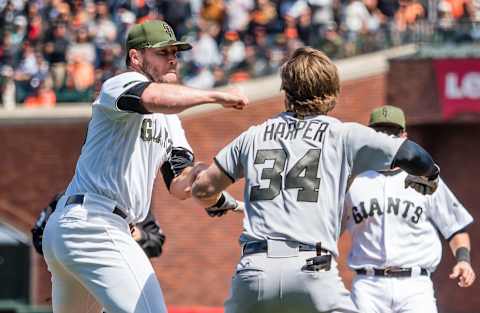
x: 223, y: 170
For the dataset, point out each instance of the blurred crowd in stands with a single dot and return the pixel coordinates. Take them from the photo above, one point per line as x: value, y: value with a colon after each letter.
x: 55, y: 51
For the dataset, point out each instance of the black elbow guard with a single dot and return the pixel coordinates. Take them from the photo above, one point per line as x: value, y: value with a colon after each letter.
x: 414, y: 160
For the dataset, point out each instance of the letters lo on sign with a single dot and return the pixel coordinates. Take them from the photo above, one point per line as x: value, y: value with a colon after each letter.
x: 458, y: 82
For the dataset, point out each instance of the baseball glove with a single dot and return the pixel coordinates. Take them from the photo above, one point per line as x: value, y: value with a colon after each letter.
x: 41, y: 222
x: 422, y: 184
x: 224, y: 204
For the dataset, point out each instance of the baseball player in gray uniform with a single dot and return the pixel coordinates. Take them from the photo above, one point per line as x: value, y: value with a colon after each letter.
x: 396, y: 235
x: 296, y: 166
x: 87, y: 242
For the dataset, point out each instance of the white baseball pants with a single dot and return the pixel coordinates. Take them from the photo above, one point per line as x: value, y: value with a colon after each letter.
x: 95, y: 262
x: 373, y: 294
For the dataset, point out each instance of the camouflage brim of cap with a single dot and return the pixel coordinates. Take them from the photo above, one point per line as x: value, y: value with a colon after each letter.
x: 154, y: 34
x: 387, y: 115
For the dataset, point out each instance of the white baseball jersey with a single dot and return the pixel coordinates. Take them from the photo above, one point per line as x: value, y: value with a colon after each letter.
x: 123, y: 150
x: 394, y: 226
x: 296, y: 174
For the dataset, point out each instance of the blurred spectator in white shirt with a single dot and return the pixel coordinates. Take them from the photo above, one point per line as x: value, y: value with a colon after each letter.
x: 233, y: 50
x: 205, y: 50
x: 238, y: 12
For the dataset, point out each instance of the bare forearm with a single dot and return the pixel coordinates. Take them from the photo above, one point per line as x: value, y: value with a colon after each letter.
x: 172, y: 99
x: 463, y: 271
x: 181, y: 186
x: 209, y: 184
x: 459, y: 240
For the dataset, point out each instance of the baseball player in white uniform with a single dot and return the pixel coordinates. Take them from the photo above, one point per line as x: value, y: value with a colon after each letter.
x: 296, y: 166
x: 93, y: 259
x: 396, y: 235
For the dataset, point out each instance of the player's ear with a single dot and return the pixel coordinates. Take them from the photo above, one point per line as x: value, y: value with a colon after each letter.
x: 136, y: 57
x: 404, y: 134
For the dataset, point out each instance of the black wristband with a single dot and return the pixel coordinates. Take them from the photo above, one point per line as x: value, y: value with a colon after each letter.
x: 225, y: 202
x: 220, y: 201
x: 462, y: 254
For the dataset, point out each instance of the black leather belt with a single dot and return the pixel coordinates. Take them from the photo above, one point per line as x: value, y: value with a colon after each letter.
x: 78, y: 199
x: 261, y: 246
x: 391, y: 272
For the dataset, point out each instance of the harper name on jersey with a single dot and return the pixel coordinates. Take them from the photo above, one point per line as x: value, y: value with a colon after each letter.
x: 290, y: 130
x: 403, y: 208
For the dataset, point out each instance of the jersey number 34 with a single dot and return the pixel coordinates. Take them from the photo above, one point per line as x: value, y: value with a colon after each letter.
x: 302, y: 176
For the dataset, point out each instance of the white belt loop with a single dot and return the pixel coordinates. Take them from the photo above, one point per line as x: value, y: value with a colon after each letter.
x: 242, y: 247
x: 370, y: 271
x: 416, y: 271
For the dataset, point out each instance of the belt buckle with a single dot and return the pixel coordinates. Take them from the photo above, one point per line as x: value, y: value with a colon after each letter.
x: 392, y: 270
x: 387, y: 271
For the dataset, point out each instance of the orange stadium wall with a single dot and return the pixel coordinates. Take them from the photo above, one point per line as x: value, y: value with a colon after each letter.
x: 38, y: 160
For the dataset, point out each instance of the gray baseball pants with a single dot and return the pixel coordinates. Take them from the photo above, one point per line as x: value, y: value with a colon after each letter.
x: 265, y: 282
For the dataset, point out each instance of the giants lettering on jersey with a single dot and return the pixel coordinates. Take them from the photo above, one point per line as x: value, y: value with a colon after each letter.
x: 310, y: 130
x: 395, y: 206
x: 152, y: 131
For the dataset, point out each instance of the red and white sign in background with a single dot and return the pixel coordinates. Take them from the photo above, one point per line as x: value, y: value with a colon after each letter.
x: 458, y: 83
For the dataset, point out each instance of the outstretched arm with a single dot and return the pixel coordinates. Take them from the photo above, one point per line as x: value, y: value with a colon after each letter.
x: 173, y: 98
x: 460, y: 246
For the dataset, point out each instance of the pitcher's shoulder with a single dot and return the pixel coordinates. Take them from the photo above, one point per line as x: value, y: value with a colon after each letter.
x: 125, y: 79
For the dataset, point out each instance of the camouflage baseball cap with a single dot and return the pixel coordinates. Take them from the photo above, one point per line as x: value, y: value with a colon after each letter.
x: 387, y: 115
x: 154, y: 34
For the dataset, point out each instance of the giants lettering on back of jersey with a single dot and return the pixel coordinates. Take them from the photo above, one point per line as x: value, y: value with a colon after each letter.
x: 399, y: 207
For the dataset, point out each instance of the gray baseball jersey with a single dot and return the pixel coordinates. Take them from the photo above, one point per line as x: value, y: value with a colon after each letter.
x: 394, y: 226
x: 138, y: 144
x: 296, y: 174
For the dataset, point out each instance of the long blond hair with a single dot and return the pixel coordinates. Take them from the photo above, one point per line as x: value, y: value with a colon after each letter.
x: 311, y: 83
